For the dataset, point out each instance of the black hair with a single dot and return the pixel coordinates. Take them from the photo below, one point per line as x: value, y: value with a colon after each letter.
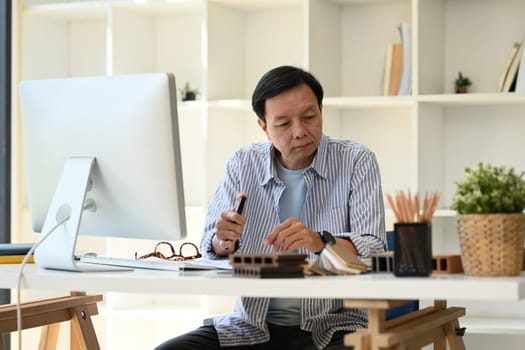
x: 278, y: 80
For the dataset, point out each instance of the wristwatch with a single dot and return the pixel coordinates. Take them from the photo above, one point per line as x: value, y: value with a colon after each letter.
x: 327, y: 238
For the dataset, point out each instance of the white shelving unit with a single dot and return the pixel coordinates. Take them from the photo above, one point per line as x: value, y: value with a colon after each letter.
x: 422, y: 141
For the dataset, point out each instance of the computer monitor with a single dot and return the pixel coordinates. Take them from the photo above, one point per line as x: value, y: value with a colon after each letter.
x: 105, y: 153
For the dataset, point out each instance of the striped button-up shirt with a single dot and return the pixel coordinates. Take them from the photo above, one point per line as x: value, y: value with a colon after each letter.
x: 343, y: 197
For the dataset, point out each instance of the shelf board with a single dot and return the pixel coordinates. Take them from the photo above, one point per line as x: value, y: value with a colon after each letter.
x: 396, y: 101
x: 189, y: 105
x: 330, y: 102
x: 388, y: 101
x: 70, y: 11
x: 232, y: 104
x: 161, y: 7
x: 257, y: 5
x: 474, y: 99
x: 367, y: 2
x: 369, y: 102
x: 91, y: 10
x: 85, y: 9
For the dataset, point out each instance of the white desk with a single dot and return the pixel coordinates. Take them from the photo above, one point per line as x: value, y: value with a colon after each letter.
x: 367, y: 286
x: 358, y: 291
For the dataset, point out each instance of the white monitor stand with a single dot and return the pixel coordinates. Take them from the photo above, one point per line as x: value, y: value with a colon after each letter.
x: 57, y: 251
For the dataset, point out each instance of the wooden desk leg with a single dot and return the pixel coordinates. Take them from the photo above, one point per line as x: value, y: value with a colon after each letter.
x: 455, y: 342
x: 49, y: 337
x: 376, y: 320
x: 376, y: 325
x: 360, y: 339
x: 440, y: 344
x: 83, y: 336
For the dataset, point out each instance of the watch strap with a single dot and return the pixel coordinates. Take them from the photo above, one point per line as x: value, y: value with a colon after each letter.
x: 327, y: 238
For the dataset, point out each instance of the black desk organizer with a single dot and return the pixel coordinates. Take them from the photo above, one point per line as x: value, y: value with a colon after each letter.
x: 268, y: 265
x: 413, y: 249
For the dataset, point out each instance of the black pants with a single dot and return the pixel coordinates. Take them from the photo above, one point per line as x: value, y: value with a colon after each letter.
x: 281, y: 337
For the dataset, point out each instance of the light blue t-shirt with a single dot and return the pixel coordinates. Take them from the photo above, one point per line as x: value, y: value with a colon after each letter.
x: 292, y: 200
x: 287, y: 311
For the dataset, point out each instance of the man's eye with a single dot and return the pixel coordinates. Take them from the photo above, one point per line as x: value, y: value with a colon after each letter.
x: 282, y: 124
x: 309, y: 118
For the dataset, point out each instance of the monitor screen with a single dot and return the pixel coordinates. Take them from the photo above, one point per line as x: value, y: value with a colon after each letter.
x: 110, y: 143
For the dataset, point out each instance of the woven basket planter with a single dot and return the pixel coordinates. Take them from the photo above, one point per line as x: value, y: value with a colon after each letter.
x: 491, y: 244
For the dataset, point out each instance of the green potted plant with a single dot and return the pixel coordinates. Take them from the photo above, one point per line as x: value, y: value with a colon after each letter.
x: 188, y: 93
x: 491, y: 223
x: 462, y: 83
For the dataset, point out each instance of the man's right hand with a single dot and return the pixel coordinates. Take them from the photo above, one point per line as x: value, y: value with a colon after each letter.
x: 228, y: 229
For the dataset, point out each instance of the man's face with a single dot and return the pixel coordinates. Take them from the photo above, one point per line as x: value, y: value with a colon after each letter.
x: 294, y: 125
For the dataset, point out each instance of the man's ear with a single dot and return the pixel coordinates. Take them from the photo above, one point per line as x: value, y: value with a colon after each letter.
x: 263, y: 126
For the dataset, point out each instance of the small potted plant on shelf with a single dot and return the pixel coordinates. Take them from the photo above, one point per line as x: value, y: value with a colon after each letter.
x: 491, y: 223
x: 462, y: 83
x: 188, y: 93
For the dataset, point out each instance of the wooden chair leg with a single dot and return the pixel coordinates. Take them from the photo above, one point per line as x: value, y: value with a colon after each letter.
x: 49, y: 337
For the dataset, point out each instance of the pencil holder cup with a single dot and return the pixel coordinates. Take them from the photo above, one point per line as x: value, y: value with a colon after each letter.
x: 412, y: 249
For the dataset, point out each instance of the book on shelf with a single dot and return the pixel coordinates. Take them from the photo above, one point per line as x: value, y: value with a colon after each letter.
x: 520, y: 78
x: 510, y: 79
x: 14, y: 253
x: 405, y: 84
x: 393, y: 67
x: 505, y: 73
x: 397, y: 66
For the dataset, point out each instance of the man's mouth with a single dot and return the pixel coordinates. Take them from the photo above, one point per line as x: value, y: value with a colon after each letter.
x: 303, y: 146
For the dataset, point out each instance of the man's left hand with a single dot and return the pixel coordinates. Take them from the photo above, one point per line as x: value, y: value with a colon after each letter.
x: 293, y: 234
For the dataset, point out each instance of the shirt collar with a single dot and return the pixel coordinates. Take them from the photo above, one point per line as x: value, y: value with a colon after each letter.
x: 320, y: 158
x: 270, y: 169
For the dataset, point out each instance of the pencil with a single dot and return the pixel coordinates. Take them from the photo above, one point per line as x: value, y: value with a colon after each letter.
x: 406, y: 207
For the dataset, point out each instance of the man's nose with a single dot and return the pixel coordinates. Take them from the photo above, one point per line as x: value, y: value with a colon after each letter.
x: 299, y: 129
